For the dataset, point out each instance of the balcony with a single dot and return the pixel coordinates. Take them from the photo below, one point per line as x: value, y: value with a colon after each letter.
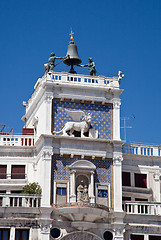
x: 20, y: 200
x: 142, y: 208
x: 140, y: 149
x: 17, y: 140
x: 83, y: 211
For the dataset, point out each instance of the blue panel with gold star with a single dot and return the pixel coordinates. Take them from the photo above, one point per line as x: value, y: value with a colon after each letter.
x: 101, y: 116
x: 61, y: 170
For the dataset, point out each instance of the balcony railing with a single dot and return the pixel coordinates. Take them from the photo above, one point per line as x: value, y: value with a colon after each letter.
x: 139, y: 149
x: 142, y: 208
x: 20, y: 200
x: 63, y: 77
x: 82, y: 204
x: 74, y: 79
x: 17, y: 140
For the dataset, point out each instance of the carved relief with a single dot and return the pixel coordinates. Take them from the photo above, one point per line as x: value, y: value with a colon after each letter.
x: 81, y: 123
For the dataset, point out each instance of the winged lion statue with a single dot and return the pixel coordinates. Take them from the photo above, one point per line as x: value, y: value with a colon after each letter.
x: 81, y: 123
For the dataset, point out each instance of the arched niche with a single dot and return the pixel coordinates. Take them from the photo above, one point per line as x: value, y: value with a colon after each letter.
x: 82, y: 174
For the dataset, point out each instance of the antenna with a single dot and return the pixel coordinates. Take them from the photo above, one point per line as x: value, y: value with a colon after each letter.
x: 124, y: 119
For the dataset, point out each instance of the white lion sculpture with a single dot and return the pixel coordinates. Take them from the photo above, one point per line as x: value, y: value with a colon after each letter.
x: 77, y: 124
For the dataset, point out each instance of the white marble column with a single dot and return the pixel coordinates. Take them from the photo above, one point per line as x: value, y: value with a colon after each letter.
x: 156, y: 189
x: 12, y: 233
x: 117, y: 181
x: 72, y: 186
x: 91, y: 188
x: 46, y: 177
x: 116, y: 118
x: 45, y: 232
x: 48, y: 114
x: 119, y: 232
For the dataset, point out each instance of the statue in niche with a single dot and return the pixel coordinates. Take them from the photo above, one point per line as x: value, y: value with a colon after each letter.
x: 81, y: 123
x: 80, y: 190
x: 82, y: 193
x: 85, y: 194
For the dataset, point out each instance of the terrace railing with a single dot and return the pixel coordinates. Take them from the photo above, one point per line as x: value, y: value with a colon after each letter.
x: 17, y: 140
x: 142, y: 208
x: 20, y: 200
x: 140, y: 149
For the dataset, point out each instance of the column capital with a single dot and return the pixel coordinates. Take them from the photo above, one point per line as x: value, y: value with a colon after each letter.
x: 156, y: 176
x: 116, y: 103
x: 46, y: 154
x: 48, y: 98
x: 117, y: 160
x: 119, y: 231
x: 45, y: 228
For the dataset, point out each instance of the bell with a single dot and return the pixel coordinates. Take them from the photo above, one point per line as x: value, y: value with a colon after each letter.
x: 72, y: 57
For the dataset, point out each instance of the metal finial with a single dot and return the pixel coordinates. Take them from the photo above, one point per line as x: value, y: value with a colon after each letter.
x: 71, y: 33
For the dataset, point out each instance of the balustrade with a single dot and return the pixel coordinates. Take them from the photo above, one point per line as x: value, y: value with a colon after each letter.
x: 144, y: 150
x: 20, y: 200
x: 17, y: 140
x: 142, y: 208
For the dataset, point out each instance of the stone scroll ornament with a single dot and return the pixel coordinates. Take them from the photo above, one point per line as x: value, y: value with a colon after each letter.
x: 81, y: 123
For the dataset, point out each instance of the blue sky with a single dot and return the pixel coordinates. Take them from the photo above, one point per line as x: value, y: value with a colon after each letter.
x: 119, y: 35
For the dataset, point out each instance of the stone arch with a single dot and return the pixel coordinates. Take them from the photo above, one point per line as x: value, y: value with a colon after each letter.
x: 82, y: 165
x: 81, y: 235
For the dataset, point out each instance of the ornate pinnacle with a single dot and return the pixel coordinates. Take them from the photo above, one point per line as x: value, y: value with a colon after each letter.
x: 71, y: 33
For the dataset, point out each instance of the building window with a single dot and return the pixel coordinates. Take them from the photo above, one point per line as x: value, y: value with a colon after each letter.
x: 140, y: 180
x: 137, y: 237
x: 22, y: 234
x: 126, y: 181
x: 102, y: 195
x: 4, y: 234
x: 61, y: 193
x: 154, y: 237
x: 3, y: 171
x: 126, y: 198
x: 18, y: 172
